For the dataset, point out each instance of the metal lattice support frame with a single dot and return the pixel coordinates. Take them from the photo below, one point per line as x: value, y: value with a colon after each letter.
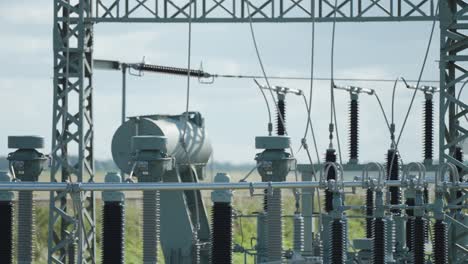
x: 72, y: 228
x: 453, y: 73
x: 231, y: 11
x: 73, y: 43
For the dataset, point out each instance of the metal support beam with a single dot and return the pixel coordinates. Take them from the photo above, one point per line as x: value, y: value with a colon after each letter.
x: 235, y: 11
x: 72, y: 134
x: 453, y: 73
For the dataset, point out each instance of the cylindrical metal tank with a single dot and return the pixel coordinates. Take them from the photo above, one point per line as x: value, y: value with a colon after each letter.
x: 171, y: 126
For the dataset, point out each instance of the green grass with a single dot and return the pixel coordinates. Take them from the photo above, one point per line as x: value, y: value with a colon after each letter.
x: 244, y: 228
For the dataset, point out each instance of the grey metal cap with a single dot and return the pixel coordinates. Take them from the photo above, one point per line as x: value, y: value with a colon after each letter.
x: 222, y: 177
x: 112, y: 177
x: 149, y: 143
x: 272, y: 142
x: 25, y: 142
x: 221, y: 196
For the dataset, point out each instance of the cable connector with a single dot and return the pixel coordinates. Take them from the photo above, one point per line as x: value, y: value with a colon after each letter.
x: 429, y: 90
x: 304, y: 144
x: 354, y: 89
x: 270, y: 128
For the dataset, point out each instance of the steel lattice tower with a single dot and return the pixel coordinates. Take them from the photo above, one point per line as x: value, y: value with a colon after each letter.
x: 72, y: 133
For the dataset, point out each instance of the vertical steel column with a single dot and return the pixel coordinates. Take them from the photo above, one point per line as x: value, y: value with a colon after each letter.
x: 72, y: 133
x: 453, y: 72
x: 307, y: 201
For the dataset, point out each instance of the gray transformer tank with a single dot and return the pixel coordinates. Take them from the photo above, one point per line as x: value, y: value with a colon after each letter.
x: 185, y: 238
x: 171, y: 126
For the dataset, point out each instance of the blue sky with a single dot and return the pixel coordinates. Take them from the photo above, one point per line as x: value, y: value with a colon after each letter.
x: 234, y: 109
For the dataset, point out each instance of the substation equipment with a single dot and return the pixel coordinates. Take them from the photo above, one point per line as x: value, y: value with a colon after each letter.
x: 167, y: 154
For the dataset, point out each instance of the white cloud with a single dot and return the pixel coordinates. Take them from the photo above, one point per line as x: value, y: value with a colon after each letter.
x: 27, y: 12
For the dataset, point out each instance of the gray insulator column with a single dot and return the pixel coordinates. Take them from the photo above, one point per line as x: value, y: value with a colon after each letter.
x: 298, y: 244
x: 26, y: 164
x: 274, y: 164
x: 275, y: 226
x: 262, y: 255
x: 26, y: 227
x: 151, y: 164
x: 221, y: 230
x: 113, y: 223
x: 150, y: 226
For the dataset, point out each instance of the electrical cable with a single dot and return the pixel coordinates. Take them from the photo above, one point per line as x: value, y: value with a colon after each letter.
x: 311, y: 91
x: 383, y: 112
x: 270, y: 126
x: 393, y: 100
x: 184, y: 144
x: 420, y: 74
x: 303, y: 78
x: 396, y: 144
x: 332, y: 90
x: 309, y: 107
x: 265, y: 76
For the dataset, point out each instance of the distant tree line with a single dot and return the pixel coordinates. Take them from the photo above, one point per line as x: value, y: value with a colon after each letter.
x: 109, y: 165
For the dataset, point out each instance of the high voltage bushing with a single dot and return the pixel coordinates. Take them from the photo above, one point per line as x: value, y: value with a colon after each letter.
x: 418, y: 241
x: 281, y: 115
x: 393, y: 173
x: 150, y: 165
x: 331, y: 175
x: 354, y: 92
x: 338, y: 227
x: 354, y: 129
x: 410, y: 222
x: 379, y: 241
x: 26, y: 164
x: 379, y: 231
x: 440, y: 240
x: 440, y: 247
x: 428, y: 120
x: 6, y: 222
x: 274, y: 164
x: 338, y: 241
x: 113, y: 223
x: 428, y: 129
x: 415, y: 195
x: 221, y: 231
